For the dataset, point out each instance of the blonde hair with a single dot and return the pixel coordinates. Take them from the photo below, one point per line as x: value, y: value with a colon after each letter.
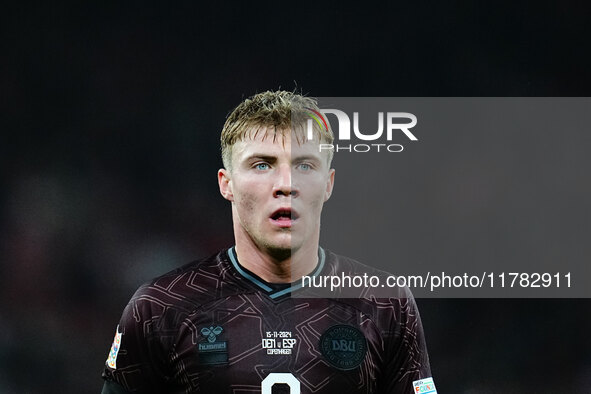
x: 279, y: 111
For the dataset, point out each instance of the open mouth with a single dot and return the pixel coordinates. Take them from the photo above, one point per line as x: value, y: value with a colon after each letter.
x: 284, y: 217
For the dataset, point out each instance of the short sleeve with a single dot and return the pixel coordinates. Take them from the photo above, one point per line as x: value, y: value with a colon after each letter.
x: 407, y: 360
x: 136, y: 360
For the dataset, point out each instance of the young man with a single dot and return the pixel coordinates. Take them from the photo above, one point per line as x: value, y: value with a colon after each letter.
x: 240, y: 321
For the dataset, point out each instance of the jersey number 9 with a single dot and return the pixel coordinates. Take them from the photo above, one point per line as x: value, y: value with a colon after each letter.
x: 280, y: 378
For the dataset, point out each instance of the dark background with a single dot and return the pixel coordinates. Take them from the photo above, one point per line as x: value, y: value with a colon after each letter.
x: 108, y: 151
x: 493, y: 184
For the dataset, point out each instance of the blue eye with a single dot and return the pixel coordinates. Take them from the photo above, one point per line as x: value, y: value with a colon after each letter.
x: 262, y: 166
x: 305, y: 167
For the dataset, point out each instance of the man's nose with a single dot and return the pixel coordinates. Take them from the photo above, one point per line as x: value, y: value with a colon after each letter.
x: 283, y: 184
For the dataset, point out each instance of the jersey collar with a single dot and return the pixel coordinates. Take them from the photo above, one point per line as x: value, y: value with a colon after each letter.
x: 267, y: 287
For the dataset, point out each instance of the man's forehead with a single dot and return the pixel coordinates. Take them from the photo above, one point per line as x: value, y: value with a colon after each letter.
x: 275, y: 145
x: 266, y: 142
x: 271, y: 138
x: 280, y: 135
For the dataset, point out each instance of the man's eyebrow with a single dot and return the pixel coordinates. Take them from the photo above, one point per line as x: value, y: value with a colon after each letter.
x: 306, y: 158
x: 260, y: 156
x: 272, y: 158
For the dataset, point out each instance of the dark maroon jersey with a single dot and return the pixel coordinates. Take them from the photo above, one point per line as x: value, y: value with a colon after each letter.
x: 212, y: 326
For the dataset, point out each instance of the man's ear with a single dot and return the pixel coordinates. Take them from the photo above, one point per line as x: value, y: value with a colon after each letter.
x: 329, y: 184
x: 225, y: 184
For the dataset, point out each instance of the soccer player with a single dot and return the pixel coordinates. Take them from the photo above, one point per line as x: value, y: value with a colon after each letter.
x: 241, y: 321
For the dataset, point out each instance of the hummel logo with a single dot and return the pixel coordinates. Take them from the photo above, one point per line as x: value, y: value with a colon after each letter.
x: 211, y: 333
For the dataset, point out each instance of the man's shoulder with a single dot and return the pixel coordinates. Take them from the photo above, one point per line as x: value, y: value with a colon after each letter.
x: 340, y: 263
x: 360, y: 280
x: 213, y: 264
x: 190, y: 285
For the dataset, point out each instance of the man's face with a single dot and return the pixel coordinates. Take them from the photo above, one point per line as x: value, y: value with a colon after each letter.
x: 277, y: 190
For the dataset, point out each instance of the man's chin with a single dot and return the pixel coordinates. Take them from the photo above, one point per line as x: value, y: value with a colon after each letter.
x: 285, y: 246
x: 280, y: 252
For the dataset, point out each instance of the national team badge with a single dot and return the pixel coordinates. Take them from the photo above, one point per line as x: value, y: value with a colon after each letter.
x: 211, y: 351
x: 344, y: 347
x: 112, y: 359
x: 424, y: 386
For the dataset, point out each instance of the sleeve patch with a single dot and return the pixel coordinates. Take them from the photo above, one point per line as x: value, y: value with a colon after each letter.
x: 112, y: 359
x: 424, y: 386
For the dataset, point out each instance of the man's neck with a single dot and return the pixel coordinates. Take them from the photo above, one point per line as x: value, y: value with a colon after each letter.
x: 278, y: 269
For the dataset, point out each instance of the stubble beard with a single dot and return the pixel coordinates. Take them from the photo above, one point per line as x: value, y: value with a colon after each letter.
x: 280, y: 252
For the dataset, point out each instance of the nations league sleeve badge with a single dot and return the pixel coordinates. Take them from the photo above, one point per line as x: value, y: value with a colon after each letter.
x: 112, y: 359
x: 424, y: 386
x: 343, y: 346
